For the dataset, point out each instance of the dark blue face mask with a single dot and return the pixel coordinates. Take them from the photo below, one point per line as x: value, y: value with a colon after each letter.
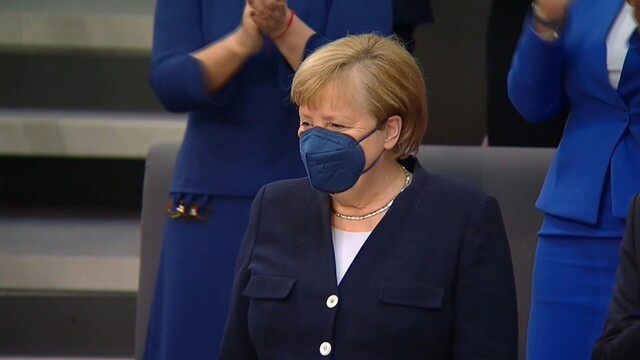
x: 334, y: 161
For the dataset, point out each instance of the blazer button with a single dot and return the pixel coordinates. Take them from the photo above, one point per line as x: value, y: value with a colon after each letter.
x: 325, y: 349
x: 332, y: 301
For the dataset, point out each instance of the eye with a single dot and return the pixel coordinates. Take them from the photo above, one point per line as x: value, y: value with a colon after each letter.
x: 305, y: 124
x: 335, y: 126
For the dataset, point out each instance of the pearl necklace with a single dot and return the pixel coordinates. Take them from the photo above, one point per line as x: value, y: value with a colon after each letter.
x: 407, y: 181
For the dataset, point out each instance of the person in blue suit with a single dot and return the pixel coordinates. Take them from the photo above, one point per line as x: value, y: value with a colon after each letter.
x: 229, y: 65
x: 370, y: 256
x: 583, y: 54
x: 620, y: 339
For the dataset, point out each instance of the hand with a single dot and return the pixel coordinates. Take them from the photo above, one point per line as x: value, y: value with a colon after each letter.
x: 271, y: 16
x: 635, y: 4
x: 553, y: 10
x: 250, y: 34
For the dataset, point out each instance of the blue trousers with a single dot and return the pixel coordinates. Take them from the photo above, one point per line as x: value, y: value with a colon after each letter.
x: 195, y: 276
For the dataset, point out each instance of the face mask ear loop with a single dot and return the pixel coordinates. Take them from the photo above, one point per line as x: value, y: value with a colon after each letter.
x: 379, y: 156
x: 373, y: 163
x: 369, y: 134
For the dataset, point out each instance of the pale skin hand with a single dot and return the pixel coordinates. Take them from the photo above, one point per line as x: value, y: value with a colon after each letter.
x: 550, y: 10
x: 272, y: 18
x: 224, y: 58
x: 250, y: 33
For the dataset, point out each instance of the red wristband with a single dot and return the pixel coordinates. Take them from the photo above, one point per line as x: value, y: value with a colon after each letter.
x: 293, y: 13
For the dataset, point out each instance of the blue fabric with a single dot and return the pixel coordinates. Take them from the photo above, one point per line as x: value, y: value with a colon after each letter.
x: 606, y: 226
x: 619, y: 340
x: 194, y: 280
x: 434, y: 279
x: 573, y: 278
x: 236, y: 140
x: 546, y: 76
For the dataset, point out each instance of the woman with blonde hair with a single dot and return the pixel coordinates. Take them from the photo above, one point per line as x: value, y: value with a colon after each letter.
x: 370, y: 256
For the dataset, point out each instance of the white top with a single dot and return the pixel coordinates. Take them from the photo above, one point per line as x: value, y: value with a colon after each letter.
x: 346, y: 246
x: 618, y: 43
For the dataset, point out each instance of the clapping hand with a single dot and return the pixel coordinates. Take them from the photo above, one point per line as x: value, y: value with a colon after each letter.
x: 251, y: 36
x: 271, y: 16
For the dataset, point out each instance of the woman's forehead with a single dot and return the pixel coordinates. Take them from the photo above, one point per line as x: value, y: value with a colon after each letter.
x: 337, y: 95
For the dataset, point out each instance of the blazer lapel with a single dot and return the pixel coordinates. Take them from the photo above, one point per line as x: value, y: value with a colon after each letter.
x: 630, y: 77
x: 599, y: 16
x: 323, y: 241
x: 384, y: 237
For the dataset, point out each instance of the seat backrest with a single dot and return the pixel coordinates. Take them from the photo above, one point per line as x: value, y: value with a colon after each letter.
x: 158, y: 176
x: 512, y: 175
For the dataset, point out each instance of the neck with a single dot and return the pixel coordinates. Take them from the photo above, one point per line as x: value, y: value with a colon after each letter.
x: 373, y: 190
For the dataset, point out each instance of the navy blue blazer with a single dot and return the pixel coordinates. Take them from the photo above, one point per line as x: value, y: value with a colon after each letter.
x: 433, y: 281
x: 621, y: 337
x: 602, y: 131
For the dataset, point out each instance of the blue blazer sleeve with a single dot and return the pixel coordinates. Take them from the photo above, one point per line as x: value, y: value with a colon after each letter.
x: 486, y: 324
x: 236, y: 344
x: 535, y: 80
x: 347, y: 18
x: 621, y: 337
x: 176, y: 77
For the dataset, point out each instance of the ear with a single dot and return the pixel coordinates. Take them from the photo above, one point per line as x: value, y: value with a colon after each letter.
x: 392, y: 129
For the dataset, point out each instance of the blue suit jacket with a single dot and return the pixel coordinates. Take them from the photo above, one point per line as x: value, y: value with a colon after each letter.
x: 433, y: 281
x: 601, y: 127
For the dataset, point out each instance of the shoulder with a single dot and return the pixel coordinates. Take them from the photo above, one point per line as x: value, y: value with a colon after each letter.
x: 450, y: 193
x: 450, y: 200
x: 289, y: 190
x: 442, y: 190
x: 466, y: 200
x: 453, y: 189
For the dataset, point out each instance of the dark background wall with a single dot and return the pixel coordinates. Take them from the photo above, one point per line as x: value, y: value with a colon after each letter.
x: 452, y: 51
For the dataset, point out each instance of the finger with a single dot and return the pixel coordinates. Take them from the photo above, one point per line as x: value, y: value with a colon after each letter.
x: 274, y: 6
x: 258, y: 5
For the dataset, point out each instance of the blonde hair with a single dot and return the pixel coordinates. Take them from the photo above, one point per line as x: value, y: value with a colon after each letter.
x: 376, y: 72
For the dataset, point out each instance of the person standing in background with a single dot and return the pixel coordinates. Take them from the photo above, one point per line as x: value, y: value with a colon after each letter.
x: 584, y: 54
x: 229, y: 64
x: 505, y: 126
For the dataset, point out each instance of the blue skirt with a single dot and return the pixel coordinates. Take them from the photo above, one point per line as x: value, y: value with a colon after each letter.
x: 195, y: 276
x: 573, y: 277
x: 573, y: 280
